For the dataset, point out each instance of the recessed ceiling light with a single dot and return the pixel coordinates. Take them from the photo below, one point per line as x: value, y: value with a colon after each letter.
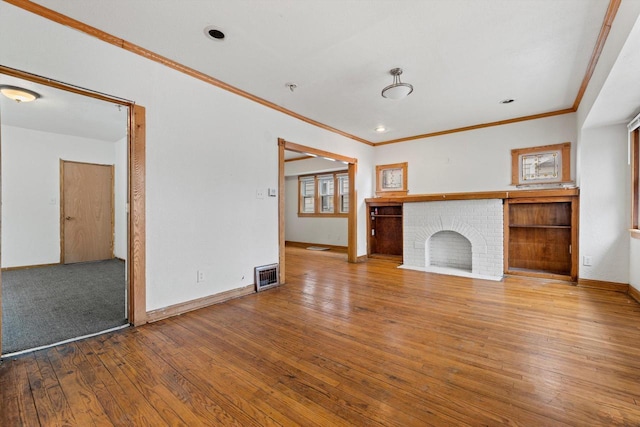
x: 507, y: 101
x: 380, y: 129
x: 214, y: 33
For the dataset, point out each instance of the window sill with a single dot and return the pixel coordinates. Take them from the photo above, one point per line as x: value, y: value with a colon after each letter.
x: 635, y: 233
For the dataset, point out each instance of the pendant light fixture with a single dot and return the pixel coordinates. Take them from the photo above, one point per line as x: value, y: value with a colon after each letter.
x: 397, y: 89
x: 18, y: 94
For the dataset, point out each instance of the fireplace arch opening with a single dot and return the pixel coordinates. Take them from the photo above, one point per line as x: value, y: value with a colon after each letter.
x: 449, y: 249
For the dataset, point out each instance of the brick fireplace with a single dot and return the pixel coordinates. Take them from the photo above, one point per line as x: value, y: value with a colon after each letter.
x: 457, y: 237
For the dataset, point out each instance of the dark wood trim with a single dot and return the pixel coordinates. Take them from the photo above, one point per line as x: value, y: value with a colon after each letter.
x: 352, y: 220
x: 137, y: 216
x: 281, y: 209
x: 478, y: 126
x: 575, y: 237
x: 304, y: 245
x: 635, y: 179
x: 609, y: 16
x: 61, y: 208
x: 634, y: 293
x: 185, y: 307
x: 62, y: 86
x: 145, y: 53
x: 600, y: 284
x: 565, y: 192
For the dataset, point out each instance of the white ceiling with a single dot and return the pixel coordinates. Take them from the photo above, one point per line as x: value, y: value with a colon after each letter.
x: 462, y: 56
x: 63, y: 112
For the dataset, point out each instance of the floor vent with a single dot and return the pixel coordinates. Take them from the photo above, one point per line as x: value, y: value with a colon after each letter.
x: 267, y: 276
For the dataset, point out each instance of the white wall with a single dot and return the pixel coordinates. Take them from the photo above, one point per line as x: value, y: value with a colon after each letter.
x: 31, y: 190
x: 207, y: 152
x: 604, y: 203
x: 324, y: 231
x: 477, y: 160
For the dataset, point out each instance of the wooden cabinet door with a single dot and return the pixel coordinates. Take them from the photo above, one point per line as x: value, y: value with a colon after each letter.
x: 86, y: 212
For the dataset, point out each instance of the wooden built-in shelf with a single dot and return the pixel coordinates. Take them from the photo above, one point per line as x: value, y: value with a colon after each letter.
x: 384, y: 225
x: 541, y: 237
x: 516, y: 194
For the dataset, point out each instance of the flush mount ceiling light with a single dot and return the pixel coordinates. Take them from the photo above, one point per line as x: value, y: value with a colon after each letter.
x: 380, y: 129
x: 18, y: 94
x: 397, y: 89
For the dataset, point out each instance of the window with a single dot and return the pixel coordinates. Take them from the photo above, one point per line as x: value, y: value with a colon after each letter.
x: 324, y: 195
x: 343, y: 193
x: 307, y: 194
x: 541, y: 165
x: 325, y: 191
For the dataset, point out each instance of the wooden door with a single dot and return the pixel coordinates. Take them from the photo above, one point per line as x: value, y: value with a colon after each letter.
x: 86, y: 212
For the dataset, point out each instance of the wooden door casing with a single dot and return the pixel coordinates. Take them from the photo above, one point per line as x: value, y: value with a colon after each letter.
x: 87, y: 216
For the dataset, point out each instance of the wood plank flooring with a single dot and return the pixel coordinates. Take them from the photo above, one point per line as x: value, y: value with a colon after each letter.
x: 351, y: 344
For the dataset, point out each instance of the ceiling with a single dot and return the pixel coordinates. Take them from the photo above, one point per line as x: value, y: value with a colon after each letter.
x: 63, y: 112
x: 462, y: 56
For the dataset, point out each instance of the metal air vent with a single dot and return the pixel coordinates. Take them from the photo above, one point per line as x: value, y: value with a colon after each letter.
x: 267, y: 276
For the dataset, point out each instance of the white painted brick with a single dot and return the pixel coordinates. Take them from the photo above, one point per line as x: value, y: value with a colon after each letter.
x: 480, y: 222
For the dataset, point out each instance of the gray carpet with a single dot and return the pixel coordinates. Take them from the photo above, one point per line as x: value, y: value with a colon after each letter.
x: 45, y: 305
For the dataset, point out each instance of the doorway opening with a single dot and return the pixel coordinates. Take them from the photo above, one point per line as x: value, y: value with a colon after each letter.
x: 127, y: 195
x: 351, y: 165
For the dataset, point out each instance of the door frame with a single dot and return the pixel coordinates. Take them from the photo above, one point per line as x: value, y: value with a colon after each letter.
x: 63, y: 223
x: 136, y: 228
x: 352, y: 163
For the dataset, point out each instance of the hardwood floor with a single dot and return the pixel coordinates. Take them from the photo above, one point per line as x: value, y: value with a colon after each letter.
x: 351, y: 344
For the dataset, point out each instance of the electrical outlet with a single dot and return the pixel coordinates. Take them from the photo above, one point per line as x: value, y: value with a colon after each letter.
x: 200, y: 276
x: 586, y: 261
x: 260, y: 193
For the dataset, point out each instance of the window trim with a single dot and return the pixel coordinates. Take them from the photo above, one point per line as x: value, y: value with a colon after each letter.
x: 563, y: 163
x: 317, y: 198
x: 634, y: 141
